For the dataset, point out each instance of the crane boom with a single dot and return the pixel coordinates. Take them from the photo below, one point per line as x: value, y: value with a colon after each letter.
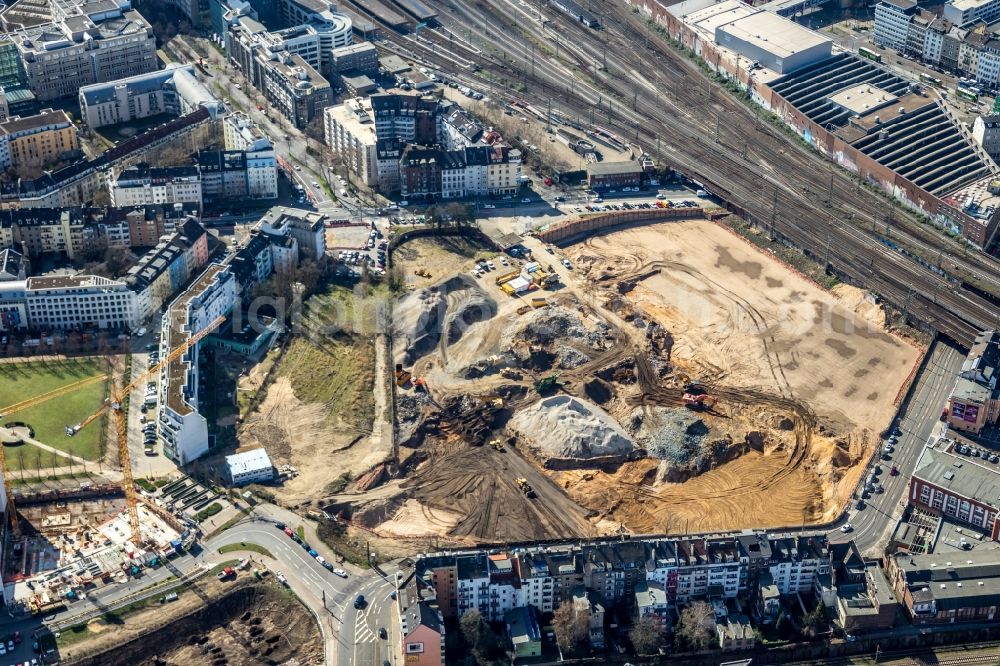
x: 20, y: 407
x: 116, y: 403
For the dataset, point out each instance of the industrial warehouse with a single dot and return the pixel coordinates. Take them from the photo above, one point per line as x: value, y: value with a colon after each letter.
x: 893, y: 133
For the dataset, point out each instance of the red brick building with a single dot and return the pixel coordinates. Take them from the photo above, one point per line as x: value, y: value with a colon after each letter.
x: 959, y: 487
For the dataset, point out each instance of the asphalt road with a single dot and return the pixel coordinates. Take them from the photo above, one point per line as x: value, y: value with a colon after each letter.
x: 872, y: 524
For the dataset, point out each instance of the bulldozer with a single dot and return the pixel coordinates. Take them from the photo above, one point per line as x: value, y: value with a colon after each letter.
x: 510, y: 373
x: 525, y: 487
x: 498, y: 445
x: 422, y: 272
x: 547, y: 384
x: 403, y: 377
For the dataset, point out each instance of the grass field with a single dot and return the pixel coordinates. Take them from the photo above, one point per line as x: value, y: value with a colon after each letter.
x: 22, y: 381
x: 336, y: 367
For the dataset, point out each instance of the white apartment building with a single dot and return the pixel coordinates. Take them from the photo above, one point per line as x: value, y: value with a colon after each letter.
x: 349, y: 129
x: 794, y: 571
x: 306, y: 227
x: 892, y: 23
x: 181, y: 427
x: 141, y: 185
x: 988, y: 62
x: 66, y: 302
x: 986, y: 132
x: 175, y: 90
x: 88, y: 42
x: 964, y: 12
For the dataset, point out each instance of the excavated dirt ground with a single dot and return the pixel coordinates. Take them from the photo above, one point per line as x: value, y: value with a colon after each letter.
x: 804, y: 377
x: 240, y: 625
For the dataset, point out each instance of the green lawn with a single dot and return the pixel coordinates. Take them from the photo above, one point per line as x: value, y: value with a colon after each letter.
x: 240, y: 547
x: 23, y: 381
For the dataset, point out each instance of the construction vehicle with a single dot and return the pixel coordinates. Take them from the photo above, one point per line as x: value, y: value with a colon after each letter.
x: 422, y: 272
x: 539, y: 302
x: 510, y: 373
x: 419, y: 384
x: 402, y: 376
x: 524, y: 309
x: 507, y: 277
x: 496, y: 444
x: 226, y: 573
x: 525, y: 487
x: 697, y: 398
x: 546, y: 384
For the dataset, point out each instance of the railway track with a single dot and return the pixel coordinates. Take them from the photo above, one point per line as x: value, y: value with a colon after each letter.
x: 680, y: 108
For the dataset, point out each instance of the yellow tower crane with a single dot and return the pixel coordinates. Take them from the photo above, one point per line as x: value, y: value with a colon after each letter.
x: 21, y: 406
x: 116, y: 403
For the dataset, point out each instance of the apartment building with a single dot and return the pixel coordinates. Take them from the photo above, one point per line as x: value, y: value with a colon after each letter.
x: 143, y: 184
x: 71, y: 230
x: 349, y: 130
x: 966, y: 12
x: 986, y: 132
x: 180, y: 426
x: 89, y: 41
x: 165, y: 269
x: 13, y: 265
x: 39, y: 140
x: 435, y: 173
x: 892, y: 23
x: 68, y: 302
x: 78, y: 183
x: 307, y: 228
x: 947, y: 588
x: 174, y: 90
x: 975, y: 401
x: 796, y: 561
x: 355, y: 58
x: 238, y: 174
x: 960, y: 487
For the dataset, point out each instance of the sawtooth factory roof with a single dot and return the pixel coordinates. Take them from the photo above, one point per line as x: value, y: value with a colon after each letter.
x: 887, y: 118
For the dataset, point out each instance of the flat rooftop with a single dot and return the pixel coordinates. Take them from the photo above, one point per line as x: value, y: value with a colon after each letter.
x: 178, y: 333
x: 959, y: 474
x: 774, y: 33
x: 861, y: 99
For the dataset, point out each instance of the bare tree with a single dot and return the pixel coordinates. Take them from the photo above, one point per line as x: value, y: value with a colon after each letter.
x: 647, y: 634
x: 38, y: 462
x: 696, y: 626
x: 53, y: 459
x: 20, y: 462
x: 571, y: 627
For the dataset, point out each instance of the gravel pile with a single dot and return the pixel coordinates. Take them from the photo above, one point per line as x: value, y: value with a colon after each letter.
x: 563, y: 426
x: 420, y: 318
x: 544, y: 326
x: 570, y: 358
x: 674, y: 435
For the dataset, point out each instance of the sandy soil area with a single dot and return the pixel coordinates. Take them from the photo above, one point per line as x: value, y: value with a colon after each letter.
x: 740, y: 318
x: 295, y: 433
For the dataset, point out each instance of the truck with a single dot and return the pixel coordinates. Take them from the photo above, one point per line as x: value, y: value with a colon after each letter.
x: 539, y: 302
x: 227, y: 573
x: 525, y: 487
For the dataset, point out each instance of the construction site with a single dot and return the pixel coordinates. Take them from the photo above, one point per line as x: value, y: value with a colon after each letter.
x: 72, y: 532
x: 668, y: 377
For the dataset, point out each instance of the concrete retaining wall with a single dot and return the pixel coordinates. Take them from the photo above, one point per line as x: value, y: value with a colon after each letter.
x: 567, y: 232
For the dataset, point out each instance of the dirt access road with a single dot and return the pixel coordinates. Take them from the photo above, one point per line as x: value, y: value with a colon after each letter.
x: 740, y: 318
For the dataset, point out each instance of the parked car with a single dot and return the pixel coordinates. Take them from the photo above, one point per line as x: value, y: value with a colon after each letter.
x: 340, y: 572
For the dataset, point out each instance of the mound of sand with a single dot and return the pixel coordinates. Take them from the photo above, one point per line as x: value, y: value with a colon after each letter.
x: 447, y: 309
x: 567, y: 427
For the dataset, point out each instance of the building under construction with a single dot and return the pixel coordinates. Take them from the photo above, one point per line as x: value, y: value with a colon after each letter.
x: 81, y: 541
